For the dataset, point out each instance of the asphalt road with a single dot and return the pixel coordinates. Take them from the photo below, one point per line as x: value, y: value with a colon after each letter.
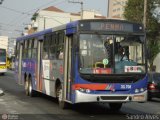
x: 15, y: 105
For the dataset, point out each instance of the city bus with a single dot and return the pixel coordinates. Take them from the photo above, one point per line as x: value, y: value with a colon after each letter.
x: 3, y: 59
x: 77, y: 62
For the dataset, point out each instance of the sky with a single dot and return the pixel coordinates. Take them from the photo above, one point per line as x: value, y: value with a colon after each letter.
x: 16, y: 14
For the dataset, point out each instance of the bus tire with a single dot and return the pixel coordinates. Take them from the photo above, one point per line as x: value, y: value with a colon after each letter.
x: 3, y: 74
x: 115, y: 106
x: 27, y: 87
x: 32, y: 93
x: 62, y: 104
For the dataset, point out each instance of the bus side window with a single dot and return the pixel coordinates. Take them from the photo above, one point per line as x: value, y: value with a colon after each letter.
x: 45, y: 48
x: 25, y: 49
x: 34, y: 48
x: 29, y: 48
x: 52, y: 46
x: 17, y: 50
x: 60, y: 46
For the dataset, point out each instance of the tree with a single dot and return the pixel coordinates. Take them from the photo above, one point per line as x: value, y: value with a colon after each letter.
x: 134, y: 12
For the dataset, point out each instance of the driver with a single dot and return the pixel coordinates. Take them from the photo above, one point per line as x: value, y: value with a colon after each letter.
x: 120, y: 54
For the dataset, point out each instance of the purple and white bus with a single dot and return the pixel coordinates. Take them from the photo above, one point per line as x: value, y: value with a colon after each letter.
x: 85, y: 61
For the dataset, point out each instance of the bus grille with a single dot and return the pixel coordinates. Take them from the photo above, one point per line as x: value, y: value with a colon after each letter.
x: 113, y: 97
x: 121, y: 78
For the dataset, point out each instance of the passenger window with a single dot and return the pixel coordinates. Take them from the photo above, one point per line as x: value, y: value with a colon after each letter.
x: 60, y: 46
x: 46, y: 44
x: 34, y: 48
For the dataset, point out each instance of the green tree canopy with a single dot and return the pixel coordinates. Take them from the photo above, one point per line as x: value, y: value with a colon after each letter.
x: 134, y: 11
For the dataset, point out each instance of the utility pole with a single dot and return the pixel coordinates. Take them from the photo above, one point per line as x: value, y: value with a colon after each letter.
x: 79, y: 2
x: 108, y: 9
x: 145, y: 14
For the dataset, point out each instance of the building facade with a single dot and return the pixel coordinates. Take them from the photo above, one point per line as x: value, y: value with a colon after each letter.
x: 52, y: 17
x: 4, y: 42
x: 116, y: 9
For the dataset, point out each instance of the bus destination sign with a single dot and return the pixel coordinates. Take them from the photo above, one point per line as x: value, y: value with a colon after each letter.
x: 110, y: 26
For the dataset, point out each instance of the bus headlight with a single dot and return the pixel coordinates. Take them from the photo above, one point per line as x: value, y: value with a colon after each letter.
x: 88, y: 90
x: 84, y: 90
x: 136, y: 91
x: 142, y: 89
x: 139, y: 90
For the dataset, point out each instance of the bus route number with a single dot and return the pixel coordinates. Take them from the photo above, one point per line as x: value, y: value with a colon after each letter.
x: 125, y: 86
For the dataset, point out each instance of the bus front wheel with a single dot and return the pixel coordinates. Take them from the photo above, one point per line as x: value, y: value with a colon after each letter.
x: 115, y: 106
x: 59, y: 94
x: 32, y: 92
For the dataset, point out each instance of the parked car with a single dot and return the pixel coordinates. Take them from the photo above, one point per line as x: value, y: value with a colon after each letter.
x: 153, y: 85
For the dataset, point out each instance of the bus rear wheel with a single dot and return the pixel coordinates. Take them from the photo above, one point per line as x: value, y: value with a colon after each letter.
x: 27, y: 87
x: 59, y: 95
x: 115, y: 106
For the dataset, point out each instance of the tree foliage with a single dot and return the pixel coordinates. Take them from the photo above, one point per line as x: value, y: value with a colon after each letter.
x: 134, y: 11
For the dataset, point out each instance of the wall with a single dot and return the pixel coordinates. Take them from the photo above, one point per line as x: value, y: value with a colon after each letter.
x: 4, y: 42
x: 48, y: 19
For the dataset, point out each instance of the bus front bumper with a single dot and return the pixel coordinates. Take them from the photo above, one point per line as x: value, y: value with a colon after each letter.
x: 85, y: 97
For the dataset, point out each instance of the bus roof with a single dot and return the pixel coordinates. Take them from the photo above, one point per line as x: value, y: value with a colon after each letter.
x: 69, y: 27
x: 35, y: 34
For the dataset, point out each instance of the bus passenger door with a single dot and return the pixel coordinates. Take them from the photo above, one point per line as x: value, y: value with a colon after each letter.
x: 67, y: 69
x: 39, y: 66
x: 20, y: 64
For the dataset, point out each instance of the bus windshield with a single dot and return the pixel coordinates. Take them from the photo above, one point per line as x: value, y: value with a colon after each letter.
x: 111, y: 54
x: 2, y: 56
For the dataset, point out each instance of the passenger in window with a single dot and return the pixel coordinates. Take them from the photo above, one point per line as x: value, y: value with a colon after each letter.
x: 45, y: 55
x: 60, y: 55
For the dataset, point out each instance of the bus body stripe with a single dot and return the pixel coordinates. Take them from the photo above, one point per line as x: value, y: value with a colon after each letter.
x: 90, y: 86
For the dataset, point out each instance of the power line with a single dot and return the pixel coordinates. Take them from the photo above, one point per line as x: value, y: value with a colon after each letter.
x: 33, y: 10
x: 45, y: 5
x: 16, y: 11
x: 8, y: 30
x: 79, y: 2
x: 10, y: 24
x: 25, y: 14
x: 62, y: 1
